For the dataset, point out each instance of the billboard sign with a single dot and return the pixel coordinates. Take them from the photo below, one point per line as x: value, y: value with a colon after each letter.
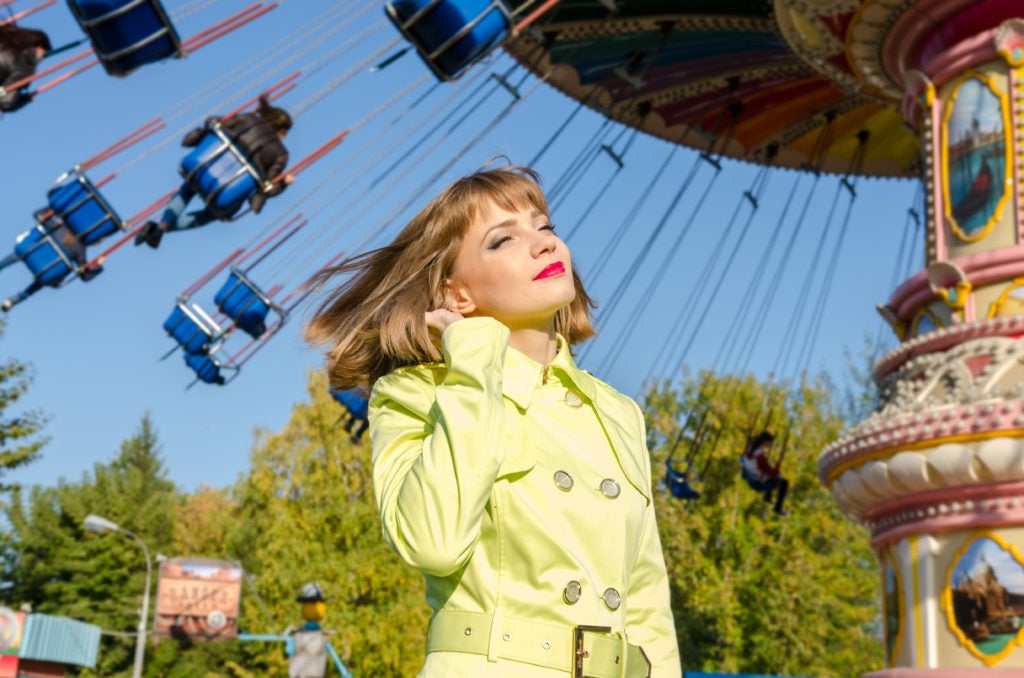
x: 198, y: 598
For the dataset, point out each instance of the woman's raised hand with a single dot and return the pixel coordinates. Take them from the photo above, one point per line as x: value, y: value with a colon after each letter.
x: 440, y: 318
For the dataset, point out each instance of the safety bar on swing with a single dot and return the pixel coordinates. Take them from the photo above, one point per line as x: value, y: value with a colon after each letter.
x: 46, y: 238
x: 90, y: 193
x: 227, y: 145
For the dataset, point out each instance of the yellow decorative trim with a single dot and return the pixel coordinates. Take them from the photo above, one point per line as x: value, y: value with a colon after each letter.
x: 994, y: 307
x: 897, y: 325
x: 1004, y: 105
x: 918, y: 626
x: 916, y: 321
x: 901, y: 601
x: 920, y: 445
x: 929, y: 94
x: 1007, y: 54
x: 963, y: 289
x: 988, y: 660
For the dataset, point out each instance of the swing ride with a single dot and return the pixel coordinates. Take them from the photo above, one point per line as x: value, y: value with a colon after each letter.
x: 837, y: 91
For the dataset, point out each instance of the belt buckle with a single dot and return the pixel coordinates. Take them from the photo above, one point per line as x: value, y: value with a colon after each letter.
x: 578, y: 652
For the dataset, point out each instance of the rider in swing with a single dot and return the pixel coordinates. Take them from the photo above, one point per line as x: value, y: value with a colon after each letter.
x: 761, y: 474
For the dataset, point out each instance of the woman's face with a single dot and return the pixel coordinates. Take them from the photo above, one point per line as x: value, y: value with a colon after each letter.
x: 512, y: 267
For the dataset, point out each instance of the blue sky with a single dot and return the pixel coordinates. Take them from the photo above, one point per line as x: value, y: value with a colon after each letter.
x: 95, y: 346
x: 1008, y: 569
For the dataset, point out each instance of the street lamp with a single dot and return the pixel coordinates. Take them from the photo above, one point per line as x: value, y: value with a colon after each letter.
x: 95, y: 523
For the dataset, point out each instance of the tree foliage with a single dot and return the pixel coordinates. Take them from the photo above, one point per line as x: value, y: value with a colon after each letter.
x: 19, y: 442
x: 58, y: 568
x: 307, y: 513
x: 753, y: 592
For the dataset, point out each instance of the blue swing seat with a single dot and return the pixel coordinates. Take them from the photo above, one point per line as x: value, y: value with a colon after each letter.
x: 245, y: 303
x: 126, y: 34
x: 354, y: 400
x: 79, y: 205
x: 206, y: 367
x: 192, y: 328
x: 44, y: 256
x: 450, y: 35
x: 678, y: 483
x: 218, y: 171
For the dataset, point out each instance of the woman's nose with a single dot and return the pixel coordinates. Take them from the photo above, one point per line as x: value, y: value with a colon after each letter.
x: 544, y: 241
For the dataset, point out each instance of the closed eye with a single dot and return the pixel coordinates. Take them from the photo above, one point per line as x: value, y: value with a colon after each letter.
x: 499, y: 242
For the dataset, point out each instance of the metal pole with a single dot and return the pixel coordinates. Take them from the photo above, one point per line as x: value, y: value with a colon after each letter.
x: 140, y: 642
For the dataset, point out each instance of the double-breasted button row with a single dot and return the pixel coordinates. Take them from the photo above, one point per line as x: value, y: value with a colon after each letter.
x: 609, y: 487
x: 573, y: 590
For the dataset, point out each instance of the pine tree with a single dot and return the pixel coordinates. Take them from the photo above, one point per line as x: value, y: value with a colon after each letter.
x: 19, y: 443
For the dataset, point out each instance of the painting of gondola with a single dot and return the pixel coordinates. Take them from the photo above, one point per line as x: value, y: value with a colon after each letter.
x: 985, y: 598
x: 975, y: 157
x: 891, y: 599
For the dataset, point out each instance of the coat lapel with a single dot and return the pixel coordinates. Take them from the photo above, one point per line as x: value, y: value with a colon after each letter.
x: 624, y: 442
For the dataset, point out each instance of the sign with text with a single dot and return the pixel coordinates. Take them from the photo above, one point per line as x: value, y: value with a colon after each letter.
x: 198, y: 598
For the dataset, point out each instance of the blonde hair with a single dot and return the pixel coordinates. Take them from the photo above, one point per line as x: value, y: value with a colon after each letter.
x: 373, y: 322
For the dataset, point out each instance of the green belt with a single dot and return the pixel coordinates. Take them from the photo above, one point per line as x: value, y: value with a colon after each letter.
x: 581, y: 651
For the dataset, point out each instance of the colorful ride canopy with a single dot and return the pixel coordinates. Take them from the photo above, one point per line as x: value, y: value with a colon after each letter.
x: 756, y: 76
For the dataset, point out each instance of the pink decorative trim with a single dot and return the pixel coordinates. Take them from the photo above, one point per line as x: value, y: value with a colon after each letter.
x: 951, y: 64
x: 910, y: 29
x: 945, y: 510
x: 947, y: 337
x: 954, y: 424
x: 981, y: 268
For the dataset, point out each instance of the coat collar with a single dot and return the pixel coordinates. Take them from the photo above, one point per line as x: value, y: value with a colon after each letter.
x: 522, y: 375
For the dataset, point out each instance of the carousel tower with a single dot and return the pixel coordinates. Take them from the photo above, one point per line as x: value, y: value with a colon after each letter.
x: 937, y: 472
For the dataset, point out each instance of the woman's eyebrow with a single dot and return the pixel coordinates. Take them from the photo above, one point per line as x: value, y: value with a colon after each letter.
x: 504, y: 224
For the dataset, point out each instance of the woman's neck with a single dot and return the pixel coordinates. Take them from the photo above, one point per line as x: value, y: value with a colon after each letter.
x: 538, y: 345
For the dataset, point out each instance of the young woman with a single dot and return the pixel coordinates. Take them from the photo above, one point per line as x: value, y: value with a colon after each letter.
x: 517, y: 483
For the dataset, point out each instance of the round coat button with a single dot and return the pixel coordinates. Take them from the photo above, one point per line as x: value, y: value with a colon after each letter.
x: 572, y: 591
x: 612, y: 599
x: 563, y: 481
x: 573, y: 399
x: 610, y: 488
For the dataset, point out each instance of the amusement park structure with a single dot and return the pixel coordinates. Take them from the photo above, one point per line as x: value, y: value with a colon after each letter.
x: 925, y: 89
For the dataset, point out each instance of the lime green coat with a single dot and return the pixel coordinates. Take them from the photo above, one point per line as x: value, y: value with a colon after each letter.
x: 521, y: 491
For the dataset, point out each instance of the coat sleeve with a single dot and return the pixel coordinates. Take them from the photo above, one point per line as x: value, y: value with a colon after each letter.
x: 276, y: 168
x: 437, y: 448
x: 649, y: 621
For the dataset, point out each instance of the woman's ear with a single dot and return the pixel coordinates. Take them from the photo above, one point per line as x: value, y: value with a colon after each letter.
x: 457, y: 298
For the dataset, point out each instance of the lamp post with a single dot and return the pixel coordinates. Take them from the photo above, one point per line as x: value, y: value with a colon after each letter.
x: 95, y: 523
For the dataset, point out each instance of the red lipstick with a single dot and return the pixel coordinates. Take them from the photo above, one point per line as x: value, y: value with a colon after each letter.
x: 557, y: 268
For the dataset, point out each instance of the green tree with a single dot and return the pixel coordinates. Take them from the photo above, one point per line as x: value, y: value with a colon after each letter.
x: 19, y: 443
x: 59, y: 568
x: 307, y: 513
x: 752, y: 592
